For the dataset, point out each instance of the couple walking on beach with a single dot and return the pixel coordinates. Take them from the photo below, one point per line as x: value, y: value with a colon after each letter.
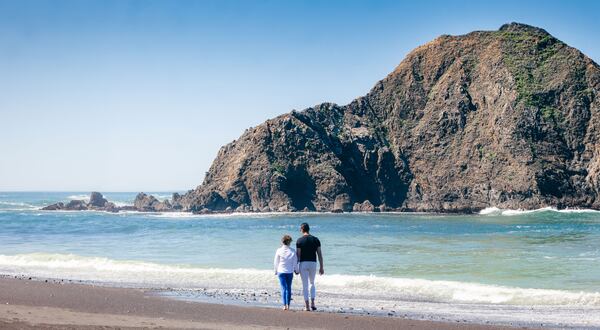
x: 303, y: 261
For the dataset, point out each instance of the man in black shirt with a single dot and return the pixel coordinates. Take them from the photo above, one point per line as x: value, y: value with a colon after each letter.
x: 308, y: 247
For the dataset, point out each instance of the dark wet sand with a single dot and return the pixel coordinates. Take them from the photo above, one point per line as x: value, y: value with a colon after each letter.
x: 28, y: 304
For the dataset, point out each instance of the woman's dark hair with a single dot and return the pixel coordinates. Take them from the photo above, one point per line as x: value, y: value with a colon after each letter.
x: 305, y: 227
x: 286, y: 239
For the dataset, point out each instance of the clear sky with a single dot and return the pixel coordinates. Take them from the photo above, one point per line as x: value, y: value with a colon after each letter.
x: 139, y: 95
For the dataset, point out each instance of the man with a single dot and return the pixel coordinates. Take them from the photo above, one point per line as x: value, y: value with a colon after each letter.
x: 308, y: 247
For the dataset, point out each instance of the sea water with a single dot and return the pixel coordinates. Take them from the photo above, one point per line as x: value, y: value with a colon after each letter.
x: 499, y: 266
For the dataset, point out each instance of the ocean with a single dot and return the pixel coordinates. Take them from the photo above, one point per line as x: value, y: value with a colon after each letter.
x: 539, y: 268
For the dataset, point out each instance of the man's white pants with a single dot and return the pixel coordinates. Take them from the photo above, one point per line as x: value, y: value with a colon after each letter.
x: 308, y: 270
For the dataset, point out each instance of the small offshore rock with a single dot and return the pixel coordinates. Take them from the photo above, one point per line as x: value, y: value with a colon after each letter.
x: 365, y: 206
x: 97, y: 200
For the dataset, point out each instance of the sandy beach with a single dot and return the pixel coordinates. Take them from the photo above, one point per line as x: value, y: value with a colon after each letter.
x: 52, y: 304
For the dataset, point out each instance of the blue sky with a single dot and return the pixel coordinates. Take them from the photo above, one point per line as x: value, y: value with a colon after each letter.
x: 139, y: 95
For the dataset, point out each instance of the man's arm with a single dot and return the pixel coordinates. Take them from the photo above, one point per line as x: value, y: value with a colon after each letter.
x: 298, y: 251
x: 320, y: 255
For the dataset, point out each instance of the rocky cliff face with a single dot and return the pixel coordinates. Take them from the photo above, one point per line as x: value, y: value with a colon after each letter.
x: 507, y: 118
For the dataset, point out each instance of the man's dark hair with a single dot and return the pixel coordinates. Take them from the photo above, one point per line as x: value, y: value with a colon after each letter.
x: 305, y: 227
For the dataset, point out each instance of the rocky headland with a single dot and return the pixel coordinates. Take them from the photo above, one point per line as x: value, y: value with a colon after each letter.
x: 507, y: 118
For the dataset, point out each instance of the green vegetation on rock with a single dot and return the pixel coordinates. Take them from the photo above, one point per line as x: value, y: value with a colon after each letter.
x: 507, y: 118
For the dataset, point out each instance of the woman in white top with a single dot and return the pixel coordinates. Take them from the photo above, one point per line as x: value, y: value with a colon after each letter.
x: 286, y: 264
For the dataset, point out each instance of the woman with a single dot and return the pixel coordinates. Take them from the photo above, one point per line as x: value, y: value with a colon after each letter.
x: 286, y: 264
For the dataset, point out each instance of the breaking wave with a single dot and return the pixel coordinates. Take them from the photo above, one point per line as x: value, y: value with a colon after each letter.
x: 509, y: 212
x: 16, y: 206
x: 155, y: 275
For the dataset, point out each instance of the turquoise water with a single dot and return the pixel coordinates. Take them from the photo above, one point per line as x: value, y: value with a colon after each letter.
x: 491, y: 258
x: 543, y: 249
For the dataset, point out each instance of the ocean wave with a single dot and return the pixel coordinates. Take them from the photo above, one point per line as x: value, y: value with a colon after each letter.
x: 154, y: 275
x: 509, y: 212
x: 173, y: 215
x: 16, y: 206
x: 224, y: 215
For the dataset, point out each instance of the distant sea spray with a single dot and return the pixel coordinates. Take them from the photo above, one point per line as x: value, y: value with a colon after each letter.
x: 498, y: 211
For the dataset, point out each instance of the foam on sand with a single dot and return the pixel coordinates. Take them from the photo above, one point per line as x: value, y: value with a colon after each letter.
x: 147, y: 274
x: 412, y: 298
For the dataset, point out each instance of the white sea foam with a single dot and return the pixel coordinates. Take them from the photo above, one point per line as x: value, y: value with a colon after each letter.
x: 79, y: 197
x: 174, y: 215
x: 155, y: 275
x: 121, y: 204
x: 414, y: 298
x: 224, y: 215
x: 16, y: 206
x: 162, y: 196
x: 490, y: 210
x: 509, y: 212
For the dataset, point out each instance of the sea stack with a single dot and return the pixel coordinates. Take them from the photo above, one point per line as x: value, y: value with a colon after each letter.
x: 507, y: 118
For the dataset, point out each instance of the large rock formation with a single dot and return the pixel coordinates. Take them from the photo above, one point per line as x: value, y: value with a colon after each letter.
x: 506, y: 118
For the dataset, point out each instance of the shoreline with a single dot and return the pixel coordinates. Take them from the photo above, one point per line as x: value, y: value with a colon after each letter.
x: 485, y: 314
x: 489, y: 211
x: 149, y: 203
x: 140, y: 250
x: 55, y: 304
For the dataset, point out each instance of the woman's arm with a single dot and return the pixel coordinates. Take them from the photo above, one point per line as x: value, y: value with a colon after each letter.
x: 276, y: 261
x: 295, y: 261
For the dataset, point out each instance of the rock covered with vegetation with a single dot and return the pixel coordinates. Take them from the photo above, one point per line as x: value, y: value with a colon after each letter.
x: 506, y: 118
